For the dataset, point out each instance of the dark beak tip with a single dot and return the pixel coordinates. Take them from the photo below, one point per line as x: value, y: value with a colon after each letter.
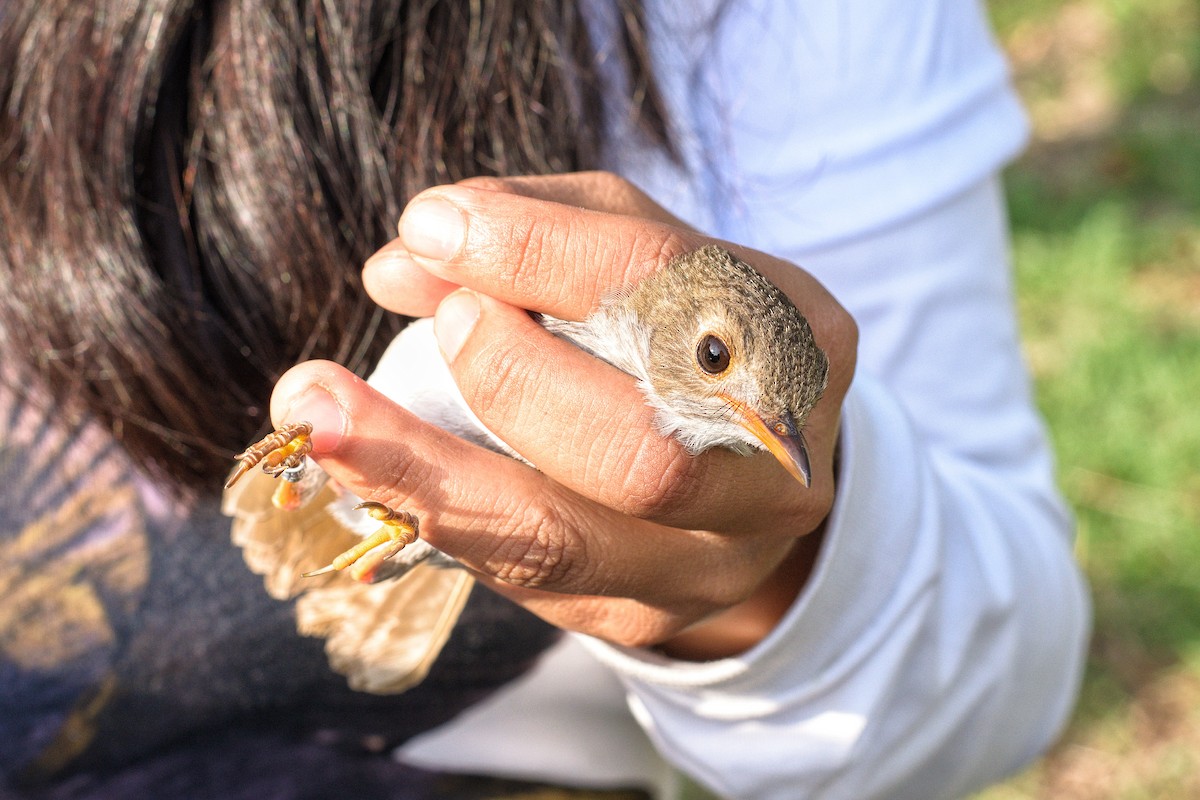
x: 792, y: 452
x: 781, y: 436
x: 802, y: 464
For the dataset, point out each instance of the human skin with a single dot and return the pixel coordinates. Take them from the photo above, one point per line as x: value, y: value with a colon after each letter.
x: 618, y: 533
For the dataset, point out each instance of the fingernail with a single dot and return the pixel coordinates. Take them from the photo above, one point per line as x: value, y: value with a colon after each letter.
x: 387, y: 260
x: 433, y: 228
x: 316, y: 405
x: 455, y: 318
x: 388, y: 273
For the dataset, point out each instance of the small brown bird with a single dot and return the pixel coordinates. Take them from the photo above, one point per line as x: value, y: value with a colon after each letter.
x: 721, y: 354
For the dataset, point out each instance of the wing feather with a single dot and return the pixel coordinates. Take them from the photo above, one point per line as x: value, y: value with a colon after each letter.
x: 383, y: 637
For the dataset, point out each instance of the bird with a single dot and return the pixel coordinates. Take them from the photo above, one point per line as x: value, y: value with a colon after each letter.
x: 722, y: 356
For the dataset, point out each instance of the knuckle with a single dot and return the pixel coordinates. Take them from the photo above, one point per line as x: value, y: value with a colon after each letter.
x: 844, y: 331
x: 637, y: 634
x: 734, y: 589
x: 660, y: 486
x: 612, y: 186
x: 647, y: 247
x: 401, y: 471
x: 490, y: 183
x: 537, y: 553
x: 609, y: 179
x: 652, y: 246
x: 673, y: 244
x: 501, y: 383
x: 538, y: 244
x: 839, y: 339
x: 656, y: 245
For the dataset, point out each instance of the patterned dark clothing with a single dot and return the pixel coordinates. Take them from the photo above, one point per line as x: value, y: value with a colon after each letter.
x: 140, y: 658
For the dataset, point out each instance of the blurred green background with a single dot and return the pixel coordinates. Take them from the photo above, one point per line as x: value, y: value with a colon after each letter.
x: 1106, y: 221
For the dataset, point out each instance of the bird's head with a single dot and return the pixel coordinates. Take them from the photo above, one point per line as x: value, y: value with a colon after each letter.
x: 731, y: 361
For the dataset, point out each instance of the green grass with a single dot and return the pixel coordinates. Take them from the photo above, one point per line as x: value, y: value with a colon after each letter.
x: 1106, y: 224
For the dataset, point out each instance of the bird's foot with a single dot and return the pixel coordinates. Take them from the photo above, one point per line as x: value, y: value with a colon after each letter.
x: 278, y: 451
x: 283, y: 453
x: 399, y: 529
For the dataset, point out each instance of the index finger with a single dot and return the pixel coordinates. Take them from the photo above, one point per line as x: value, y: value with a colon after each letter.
x: 402, y: 285
x: 534, y: 253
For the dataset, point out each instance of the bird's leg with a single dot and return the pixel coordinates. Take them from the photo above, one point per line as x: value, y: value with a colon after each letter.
x: 283, y: 453
x: 399, y: 530
x: 290, y: 494
x: 279, y: 451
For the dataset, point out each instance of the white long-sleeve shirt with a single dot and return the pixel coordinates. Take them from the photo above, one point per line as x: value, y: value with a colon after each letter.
x: 939, y: 643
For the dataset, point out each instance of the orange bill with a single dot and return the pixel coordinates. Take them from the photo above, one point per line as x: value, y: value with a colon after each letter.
x: 780, y: 437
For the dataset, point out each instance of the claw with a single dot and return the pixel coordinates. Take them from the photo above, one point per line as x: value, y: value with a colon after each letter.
x: 399, y: 530
x: 283, y: 454
x: 281, y: 450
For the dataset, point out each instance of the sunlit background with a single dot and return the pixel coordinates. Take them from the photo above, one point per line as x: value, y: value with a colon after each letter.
x: 1106, y: 215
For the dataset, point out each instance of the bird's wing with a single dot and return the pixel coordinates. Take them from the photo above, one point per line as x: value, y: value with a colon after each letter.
x: 383, y: 636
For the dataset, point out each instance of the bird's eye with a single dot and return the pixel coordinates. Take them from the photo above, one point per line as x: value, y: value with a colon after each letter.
x: 712, y: 355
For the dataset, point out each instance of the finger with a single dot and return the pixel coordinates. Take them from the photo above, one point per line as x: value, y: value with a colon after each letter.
x: 534, y: 253
x: 598, y: 191
x: 588, y: 426
x: 398, y: 283
x: 496, y: 515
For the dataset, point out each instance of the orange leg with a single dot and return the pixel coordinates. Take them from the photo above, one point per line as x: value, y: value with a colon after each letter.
x: 283, y: 454
x: 399, y: 530
x: 278, y: 451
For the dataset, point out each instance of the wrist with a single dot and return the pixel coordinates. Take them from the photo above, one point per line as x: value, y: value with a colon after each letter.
x: 738, y: 628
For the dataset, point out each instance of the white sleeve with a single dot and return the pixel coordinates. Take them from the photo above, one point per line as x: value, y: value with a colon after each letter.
x: 939, y: 644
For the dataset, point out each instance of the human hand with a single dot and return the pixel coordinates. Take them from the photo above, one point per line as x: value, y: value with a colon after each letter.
x: 619, y: 532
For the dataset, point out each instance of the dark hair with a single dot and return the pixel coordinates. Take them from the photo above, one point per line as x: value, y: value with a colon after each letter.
x: 187, y: 189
